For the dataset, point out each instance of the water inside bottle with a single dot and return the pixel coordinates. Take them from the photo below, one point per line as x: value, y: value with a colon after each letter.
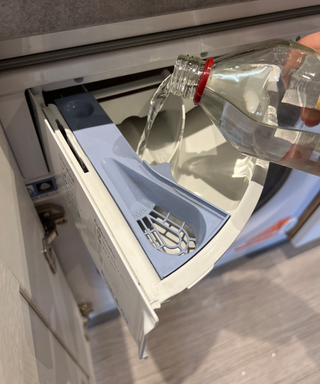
x: 304, y: 153
x: 262, y: 116
x: 158, y: 99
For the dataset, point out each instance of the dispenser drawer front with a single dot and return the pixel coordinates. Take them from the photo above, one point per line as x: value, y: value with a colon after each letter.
x: 90, y: 204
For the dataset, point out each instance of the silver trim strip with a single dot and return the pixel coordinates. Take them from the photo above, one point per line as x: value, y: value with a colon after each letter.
x: 60, y: 74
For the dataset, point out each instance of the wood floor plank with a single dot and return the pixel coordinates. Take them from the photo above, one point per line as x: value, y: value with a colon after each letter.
x: 255, y: 321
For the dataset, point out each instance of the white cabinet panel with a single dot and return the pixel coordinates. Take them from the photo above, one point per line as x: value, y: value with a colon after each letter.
x: 21, y: 236
x: 22, y: 136
x: 29, y: 352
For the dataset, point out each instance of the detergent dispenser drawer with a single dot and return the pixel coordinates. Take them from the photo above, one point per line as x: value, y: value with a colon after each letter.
x: 153, y: 227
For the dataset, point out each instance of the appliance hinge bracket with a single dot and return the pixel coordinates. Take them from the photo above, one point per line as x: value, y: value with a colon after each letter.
x: 51, y: 216
x: 85, y: 309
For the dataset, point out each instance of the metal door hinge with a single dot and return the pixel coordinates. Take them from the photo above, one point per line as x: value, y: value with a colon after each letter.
x: 51, y: 216
x: 85, y: 309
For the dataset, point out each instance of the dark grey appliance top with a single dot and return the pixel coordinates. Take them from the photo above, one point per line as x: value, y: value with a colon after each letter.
x: 34, y: 32
x: 22, y: 18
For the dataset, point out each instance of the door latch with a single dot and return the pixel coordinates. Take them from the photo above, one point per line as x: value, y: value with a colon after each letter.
x: 51, y: 216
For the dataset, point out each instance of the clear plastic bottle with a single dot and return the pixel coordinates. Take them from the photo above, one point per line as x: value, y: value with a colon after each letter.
x: 265, y: 100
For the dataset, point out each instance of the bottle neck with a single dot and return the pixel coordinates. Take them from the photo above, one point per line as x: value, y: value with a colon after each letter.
x: 189, y: 77
x: 186, y: 76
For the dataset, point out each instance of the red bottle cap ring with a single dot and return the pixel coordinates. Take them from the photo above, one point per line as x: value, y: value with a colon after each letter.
x: 203, y: 81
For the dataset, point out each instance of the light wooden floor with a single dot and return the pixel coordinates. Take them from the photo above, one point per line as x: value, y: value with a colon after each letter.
x: 256, y: 321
